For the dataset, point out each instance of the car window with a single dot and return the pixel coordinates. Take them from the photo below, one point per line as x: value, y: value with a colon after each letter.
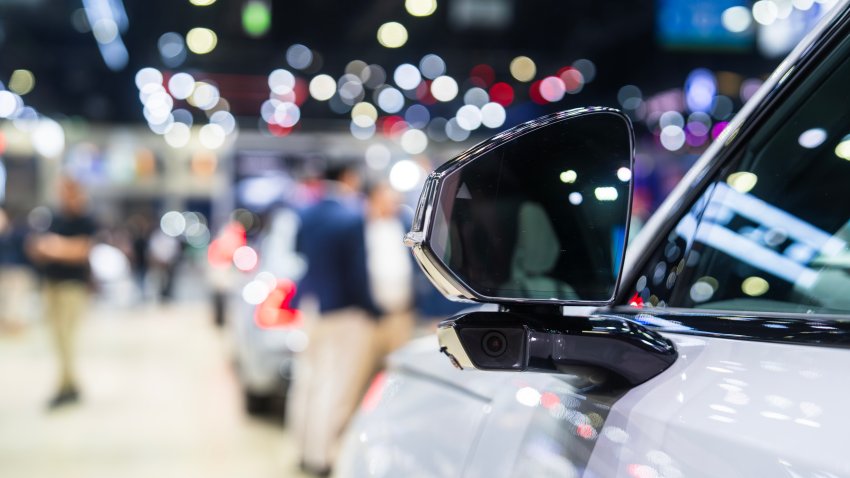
x: 772, y: 232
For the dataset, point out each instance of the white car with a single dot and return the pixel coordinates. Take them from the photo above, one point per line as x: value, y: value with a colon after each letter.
x: 266, y: 331
x: 719, y: 348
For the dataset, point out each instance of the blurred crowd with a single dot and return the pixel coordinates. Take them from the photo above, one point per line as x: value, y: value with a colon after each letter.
x: 340, y: 275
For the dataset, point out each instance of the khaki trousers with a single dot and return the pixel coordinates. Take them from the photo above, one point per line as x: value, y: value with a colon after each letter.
x: 64, y: 304
x: 329, y: 379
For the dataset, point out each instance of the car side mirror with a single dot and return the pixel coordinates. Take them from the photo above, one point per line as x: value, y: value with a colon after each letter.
x: 532, y: 219
x: 536, y: 214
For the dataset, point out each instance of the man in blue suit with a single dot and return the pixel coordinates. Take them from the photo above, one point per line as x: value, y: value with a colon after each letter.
x: 334, y: 295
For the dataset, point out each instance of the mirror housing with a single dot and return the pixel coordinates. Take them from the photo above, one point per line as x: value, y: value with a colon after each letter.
x: 538, y: 214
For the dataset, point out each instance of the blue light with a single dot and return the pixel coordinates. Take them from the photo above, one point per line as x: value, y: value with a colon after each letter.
x: 700, y: 89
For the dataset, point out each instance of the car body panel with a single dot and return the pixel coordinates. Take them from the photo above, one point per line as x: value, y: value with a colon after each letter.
x: 732, y: 408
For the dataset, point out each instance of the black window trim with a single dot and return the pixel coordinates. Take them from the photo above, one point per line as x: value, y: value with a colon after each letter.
x: 761, y: 326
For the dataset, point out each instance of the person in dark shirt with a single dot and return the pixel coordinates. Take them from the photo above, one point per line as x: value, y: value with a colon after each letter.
x: 62, y: 254
x: 331, y: 375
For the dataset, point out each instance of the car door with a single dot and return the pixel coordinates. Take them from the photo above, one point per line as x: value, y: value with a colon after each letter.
x: 748, y: 272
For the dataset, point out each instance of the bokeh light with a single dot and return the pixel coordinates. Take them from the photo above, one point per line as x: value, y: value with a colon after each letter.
x: 765, y: 12
x: 281, y: 81
x: 390, y: 100
x: 672, y: 137
x: 476, y: 97
x: 256, y: 18
x: 502, y: 93
x: 552, y: 89
x: 392, y: 35
x: 10, y: 104
x: 211, y: 136
x: 432, y: 66
x: 201, y: 40
x: 299, y: 56
x: 736, y: 19
x: 364, y: 114
x: 178, y: 136
x: 205, y: 96
x: 842, y: 150
x: 322, y: 87
x: 21, y: 82
x: 172, y: 49
x: 414, y: 141
x: 523, y: 69
x: 812, y: 138
x: 407, y: 76
x: 469, y: 117
x: 405, y: 175
x: 493, y: 115
x: 455, y: 132
x: 172, y: 223
x: 573, y: 80
x: 420, y: 8
x: 181, y: 85
x: 147, y: 76
x: 754, y: 286
x: 48, y: 138
x: 444, y: 88
x: 742, y: 181
x: 245, y: 258
x: 417, y: 116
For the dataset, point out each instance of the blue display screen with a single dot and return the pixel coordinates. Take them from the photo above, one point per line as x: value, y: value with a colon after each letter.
x: 697, y: 24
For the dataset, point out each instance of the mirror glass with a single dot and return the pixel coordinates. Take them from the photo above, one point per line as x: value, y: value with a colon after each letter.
x: 542, y: 214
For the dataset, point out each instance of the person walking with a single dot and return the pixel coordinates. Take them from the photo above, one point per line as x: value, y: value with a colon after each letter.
x: 332, y: 373
x: 62, y: 254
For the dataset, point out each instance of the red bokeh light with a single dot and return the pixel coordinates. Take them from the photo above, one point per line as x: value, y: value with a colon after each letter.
x: 278, y: 130
x: 549, y: 400
x: 277, y: 310
x: 534, y: 93
x: 502, y: 93
x: 482, y: 75
x: 393, y: 125
x: 221, y: 249
x: 572, y: 78
x: 636, y: 301
x: 301, y: 90
x: 585, y: 431
x: 423, y: 93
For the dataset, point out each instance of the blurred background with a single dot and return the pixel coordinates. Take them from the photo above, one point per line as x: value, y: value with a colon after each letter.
x: 199, y: 129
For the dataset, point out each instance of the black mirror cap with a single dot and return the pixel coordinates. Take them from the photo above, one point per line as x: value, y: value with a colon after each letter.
x: 510, y: 341
x: 447, y: 281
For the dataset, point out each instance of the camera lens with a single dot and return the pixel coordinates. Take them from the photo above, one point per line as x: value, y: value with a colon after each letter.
x: 494, y: 343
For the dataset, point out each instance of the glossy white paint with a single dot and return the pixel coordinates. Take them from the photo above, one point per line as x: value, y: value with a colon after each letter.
x: 733, y: 408
x: 725, y: 408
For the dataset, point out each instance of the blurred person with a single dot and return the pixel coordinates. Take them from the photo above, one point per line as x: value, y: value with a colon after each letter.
x: 164, y: 253
x: 62, y: 253
x: 332, y: 373
x: 390, y: 267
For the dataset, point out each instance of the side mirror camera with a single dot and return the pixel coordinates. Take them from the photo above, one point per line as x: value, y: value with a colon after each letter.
x: 533, y: 219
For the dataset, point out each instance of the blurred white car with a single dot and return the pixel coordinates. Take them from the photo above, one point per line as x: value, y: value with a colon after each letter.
x: 265, y: 329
